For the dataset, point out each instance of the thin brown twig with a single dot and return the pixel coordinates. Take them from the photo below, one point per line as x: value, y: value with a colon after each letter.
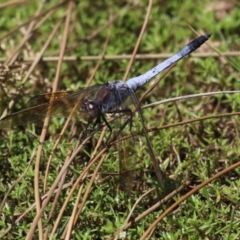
x: 149, y: 8
x: 67, y: 200
x: 178, y: 124
x: 131, y: 213
x: 158, y: 171
x: 80, y: 179
x: 151, y: 228
x: 92, y: 78
x: 95, y: 33
x: 139, y: 56
x: 75, y: 213
x: 29, y: 209
x: 62, y: 132
x: 54, y: 185
x: 27, y: 36
x: 16, y: 182
x: 14, y: 3
x: 34, y: 64
x: 101, y: 56
x: 32, y: 19
x: 56, y: 80
x: 156, y: 205
x: 55, y: 86
x: 41, y: 140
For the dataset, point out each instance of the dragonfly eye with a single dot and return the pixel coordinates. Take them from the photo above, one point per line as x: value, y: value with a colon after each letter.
x: 90, y: 107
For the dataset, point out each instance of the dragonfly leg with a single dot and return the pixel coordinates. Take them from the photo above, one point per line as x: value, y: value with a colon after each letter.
x: 109, y: 127
x: 98, y: 123
x: 127, y: 111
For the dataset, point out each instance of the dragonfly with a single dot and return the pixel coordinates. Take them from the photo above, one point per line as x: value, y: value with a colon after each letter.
x: 93, y: 103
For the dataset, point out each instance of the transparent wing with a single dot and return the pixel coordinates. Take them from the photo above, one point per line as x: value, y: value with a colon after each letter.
x: 129, y: 163
x: 59, y: 104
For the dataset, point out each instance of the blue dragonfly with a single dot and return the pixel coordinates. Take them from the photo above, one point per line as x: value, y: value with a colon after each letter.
x: 93, y: 103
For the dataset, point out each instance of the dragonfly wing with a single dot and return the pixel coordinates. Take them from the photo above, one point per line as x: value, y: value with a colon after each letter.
x: 35, y: 114
x: 59, y: 104
x: 127, y: 165
x: 128, y: 157
x: 47, y: 98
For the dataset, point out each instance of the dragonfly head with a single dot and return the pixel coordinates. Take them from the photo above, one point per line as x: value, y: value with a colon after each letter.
x: 90, y: 109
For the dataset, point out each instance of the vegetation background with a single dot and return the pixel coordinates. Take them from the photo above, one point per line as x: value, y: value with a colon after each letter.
x: 69, y: 45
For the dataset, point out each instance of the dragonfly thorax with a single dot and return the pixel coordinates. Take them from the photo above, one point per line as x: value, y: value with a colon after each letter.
x: 111, y: 96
